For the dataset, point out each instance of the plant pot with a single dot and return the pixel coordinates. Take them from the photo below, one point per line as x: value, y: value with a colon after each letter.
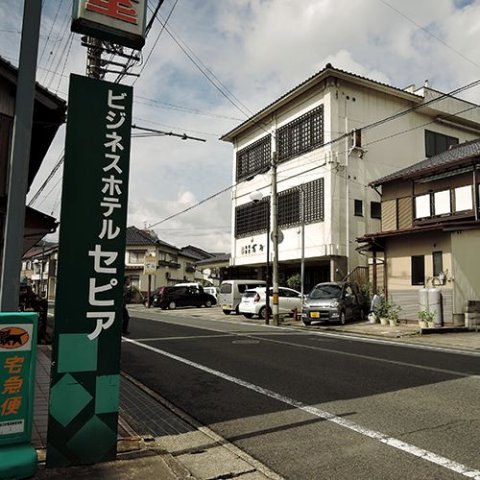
x: 383, y: 321
x: 422, y: 324
x: 431, y: 324
x: 372, y: 318
x: 393, y: 323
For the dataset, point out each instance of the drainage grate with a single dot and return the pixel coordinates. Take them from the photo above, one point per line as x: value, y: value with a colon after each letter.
x: 146, y: 415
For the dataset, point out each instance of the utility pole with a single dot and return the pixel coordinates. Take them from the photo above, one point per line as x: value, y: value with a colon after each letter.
x: 302, y: 262
x: 94, y: 58
x: 275, y: 311
x: 20, y: 158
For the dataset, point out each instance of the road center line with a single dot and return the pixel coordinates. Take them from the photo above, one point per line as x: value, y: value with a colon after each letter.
x: 381, y: 437
x: 262, y: 336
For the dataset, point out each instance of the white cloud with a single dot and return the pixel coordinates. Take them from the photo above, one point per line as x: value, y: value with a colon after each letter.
x: 259, y: 49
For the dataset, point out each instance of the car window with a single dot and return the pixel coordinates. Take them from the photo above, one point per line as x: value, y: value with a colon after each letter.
x: 226, y: 288
x: 326, y: 291
x: 242, y: 288
x: 249, y: 293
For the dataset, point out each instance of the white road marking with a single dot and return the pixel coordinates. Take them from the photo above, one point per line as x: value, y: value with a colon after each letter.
x: 341, y: 336
x: 381, y: 437
x: 314, y: 347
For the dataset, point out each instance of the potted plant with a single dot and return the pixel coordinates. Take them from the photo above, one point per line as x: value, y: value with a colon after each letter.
x: 388, y: 313
x: 383, y: 312
x: 392, y: 314
x: 426, y: 319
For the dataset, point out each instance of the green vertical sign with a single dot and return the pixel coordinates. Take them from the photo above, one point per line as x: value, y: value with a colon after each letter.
x: 18, y: 338
x: 84, y: 393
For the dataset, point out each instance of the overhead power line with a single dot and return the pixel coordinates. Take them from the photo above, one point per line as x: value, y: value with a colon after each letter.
x: 436, y: 37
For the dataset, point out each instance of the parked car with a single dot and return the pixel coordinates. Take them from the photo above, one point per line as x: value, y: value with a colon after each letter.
x: 213, y: 291
x: 231, y: 292
x: 173, y: 297
x: 333, y: 302
x: 254, y: 301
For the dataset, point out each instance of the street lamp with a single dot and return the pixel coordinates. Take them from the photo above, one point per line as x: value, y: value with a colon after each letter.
x: 256, y: 196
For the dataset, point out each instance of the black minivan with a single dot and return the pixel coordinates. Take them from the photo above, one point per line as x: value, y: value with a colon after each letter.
x: 185, y: 296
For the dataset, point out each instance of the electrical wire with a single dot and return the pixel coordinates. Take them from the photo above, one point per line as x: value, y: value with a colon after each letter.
x: 51, y: 29
x: 425, y: 30
x: 156, y: 40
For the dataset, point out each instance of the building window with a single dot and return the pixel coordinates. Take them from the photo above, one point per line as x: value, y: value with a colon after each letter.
x: 134, y: 280
x: 418, y: 270
x: 136, y: 257
x: 437, y: 263
x: 441, y: 202
x: 289, y: 207
x: 436, y: 143
x: 375, y: 210
x: 463, y: 198
x: 254, y: 159
x: 301, y: 135
x: 252, y: 218
x: 358, y: 208
x: 423, y: 206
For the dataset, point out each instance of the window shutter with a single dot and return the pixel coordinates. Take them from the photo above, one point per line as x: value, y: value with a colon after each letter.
x: 389, y: 215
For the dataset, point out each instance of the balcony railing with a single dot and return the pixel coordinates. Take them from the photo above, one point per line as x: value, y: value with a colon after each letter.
x: 168, y: 263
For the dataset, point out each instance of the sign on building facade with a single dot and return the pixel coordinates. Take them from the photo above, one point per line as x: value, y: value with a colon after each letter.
x: 84, y: 392
x: 117, y: 21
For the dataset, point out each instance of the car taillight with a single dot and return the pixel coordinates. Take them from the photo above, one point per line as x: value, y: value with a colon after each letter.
x: 257, y: 298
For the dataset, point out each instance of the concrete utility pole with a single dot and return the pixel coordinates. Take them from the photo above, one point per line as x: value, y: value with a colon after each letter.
x: 302, y: 261
x: 275, y: 311
x: 94, y: 58
x: 20, y: 158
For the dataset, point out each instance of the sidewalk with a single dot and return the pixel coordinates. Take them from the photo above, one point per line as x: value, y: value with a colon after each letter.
x: 155, y: 440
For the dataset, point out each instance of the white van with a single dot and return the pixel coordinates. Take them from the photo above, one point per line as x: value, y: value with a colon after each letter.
x: 231, y: 292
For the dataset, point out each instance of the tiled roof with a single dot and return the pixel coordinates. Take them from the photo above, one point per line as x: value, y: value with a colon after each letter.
x: 195, y: 252
x: 13, y: 71
x: 324, y: 73
x: 219, y: 257
x: 455, y: 154
x: 135, y: 236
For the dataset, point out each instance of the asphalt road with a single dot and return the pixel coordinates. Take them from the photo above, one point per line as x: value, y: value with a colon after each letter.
x: 315, y: 406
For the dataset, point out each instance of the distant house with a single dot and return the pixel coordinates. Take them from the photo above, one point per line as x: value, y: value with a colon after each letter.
x: 48, y: 115
x: 430, y: 232
x: 333, y: 134
x: 214, y: 268
x: 39, y: 269
x: 172, y: 265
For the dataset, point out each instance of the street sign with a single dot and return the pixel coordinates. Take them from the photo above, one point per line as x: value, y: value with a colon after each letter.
x: 281, y: 236
x: 85, y: 383
x: 150, y: 264
x: 18, y: 338
x: 117, y: 21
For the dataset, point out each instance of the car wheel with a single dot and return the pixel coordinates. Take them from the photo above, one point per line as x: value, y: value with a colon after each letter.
x: 248, y: 315
x: 227, y: 312
x: 208, y: 303
x: 307, y: 322
x: 343, y: 318
x: 172, y: 305
x: 263, y: 312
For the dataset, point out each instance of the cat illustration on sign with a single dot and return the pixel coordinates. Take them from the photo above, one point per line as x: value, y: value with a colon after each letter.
x: 13, y: 337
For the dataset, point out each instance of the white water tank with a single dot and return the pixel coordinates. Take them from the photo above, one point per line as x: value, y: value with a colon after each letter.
x: 423, y: 299
x: 435, y: 305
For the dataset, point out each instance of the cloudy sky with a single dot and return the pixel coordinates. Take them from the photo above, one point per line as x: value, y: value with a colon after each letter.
x: 253, y: 51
